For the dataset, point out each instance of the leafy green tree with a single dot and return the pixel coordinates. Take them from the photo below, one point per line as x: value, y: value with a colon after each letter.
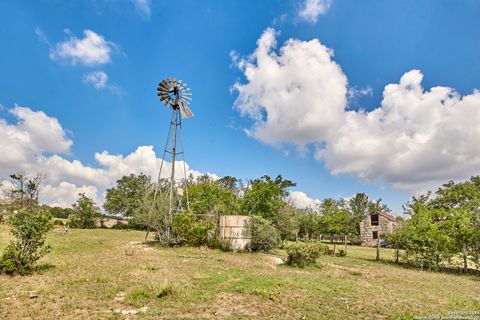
x: 265, y: 196
x: 29, y: 229
x: 359, y: 207
x: 127, y: 195
x: 426, y: 244
x: 209, y: 197
x: 335, y: 218
x: 461, y: 232
x: 85, y: 214
x: 310, y: 224
x: 398, y: 239
x: 461, y: 215
x: 229, y: 183
x: 287, y: 222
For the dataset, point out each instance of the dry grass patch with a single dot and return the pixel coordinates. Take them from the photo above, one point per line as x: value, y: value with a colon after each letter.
x: 95, y: 275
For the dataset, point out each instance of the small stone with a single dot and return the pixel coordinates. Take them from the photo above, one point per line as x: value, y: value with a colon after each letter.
x: 119, y: 297
x: 129, y: 312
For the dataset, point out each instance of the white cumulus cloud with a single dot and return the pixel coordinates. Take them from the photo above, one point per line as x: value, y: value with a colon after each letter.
x: 416, y: 139
x: 301, y: 200
x: 98, y: 79
x: 37, y: 143
x: 310, y: 10
x: 65, y: 194
x: 90, y: 50
x: 296, y: 95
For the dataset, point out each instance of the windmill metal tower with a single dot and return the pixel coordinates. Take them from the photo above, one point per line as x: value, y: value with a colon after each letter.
x: 176, y: 95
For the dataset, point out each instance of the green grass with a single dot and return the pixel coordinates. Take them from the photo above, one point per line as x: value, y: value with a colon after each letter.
x: 92, y: 274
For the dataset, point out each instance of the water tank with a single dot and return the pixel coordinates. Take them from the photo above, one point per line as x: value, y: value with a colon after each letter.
x: 234, y: 230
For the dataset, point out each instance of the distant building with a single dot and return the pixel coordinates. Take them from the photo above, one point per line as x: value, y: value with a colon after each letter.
x: 375, y: 224
x: 110, y: 222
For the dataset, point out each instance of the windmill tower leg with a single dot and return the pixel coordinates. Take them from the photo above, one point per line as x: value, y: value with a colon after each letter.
x: 173, y: 148
x: 176, y: 95
x: 172, y: 174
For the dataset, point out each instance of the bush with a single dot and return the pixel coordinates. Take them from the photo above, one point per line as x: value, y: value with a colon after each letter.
x: 264, y: 237
x: 29, y: 229
x: 341, y: 253
x: 301, y: 254
x: 58, y: 222
x: 9, y: 262
x: 60, y: 213
x: 194, y: 231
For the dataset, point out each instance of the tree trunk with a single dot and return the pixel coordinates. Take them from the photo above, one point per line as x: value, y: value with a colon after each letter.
x: 320, y: 238
x: 146, y: 234
x: 334, y: 245
x: 396, y: 252
x: 378, y: 249
x: 345, y: 239
x: 465, y: 258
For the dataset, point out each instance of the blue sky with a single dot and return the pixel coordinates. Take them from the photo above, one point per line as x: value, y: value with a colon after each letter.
x: 373, y: 44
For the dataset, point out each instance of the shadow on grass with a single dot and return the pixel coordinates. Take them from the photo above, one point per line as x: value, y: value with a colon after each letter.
x: 37, y: 269
x: 42, y: 267
x: 409, y: 266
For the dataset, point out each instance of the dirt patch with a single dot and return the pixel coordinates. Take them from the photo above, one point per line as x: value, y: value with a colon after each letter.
x: 135, y: 246
x: 228, y: 304
x: 127, y: 312
x: 120, y: 297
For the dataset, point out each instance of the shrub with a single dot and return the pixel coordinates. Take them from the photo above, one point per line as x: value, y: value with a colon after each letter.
x: 301, y: 254
x: 166, y: 291
x: 58, y: 222
x: 61, y: 213
x: 29, y: 229
x: 264, y: 237
x: 194, y: 231
x: 341, y: 253
x: 120, y: 226
x: 9, y: 262
x: 225, y: 245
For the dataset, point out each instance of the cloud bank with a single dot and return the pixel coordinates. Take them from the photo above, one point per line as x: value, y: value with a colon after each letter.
x: 415, y: 139
x: 37, y: 143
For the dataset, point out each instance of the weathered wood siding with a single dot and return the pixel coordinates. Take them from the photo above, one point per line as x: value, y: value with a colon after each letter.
x: 234, y: 230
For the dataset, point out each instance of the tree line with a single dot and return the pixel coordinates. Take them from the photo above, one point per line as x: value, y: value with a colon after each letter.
x: 441, y: 229
x: 266, y: 199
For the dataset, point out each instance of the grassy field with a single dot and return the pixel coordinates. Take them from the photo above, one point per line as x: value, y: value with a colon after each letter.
x: 110, y: 274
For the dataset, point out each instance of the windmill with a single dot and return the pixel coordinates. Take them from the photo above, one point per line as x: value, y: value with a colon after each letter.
x: 175, y: 95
